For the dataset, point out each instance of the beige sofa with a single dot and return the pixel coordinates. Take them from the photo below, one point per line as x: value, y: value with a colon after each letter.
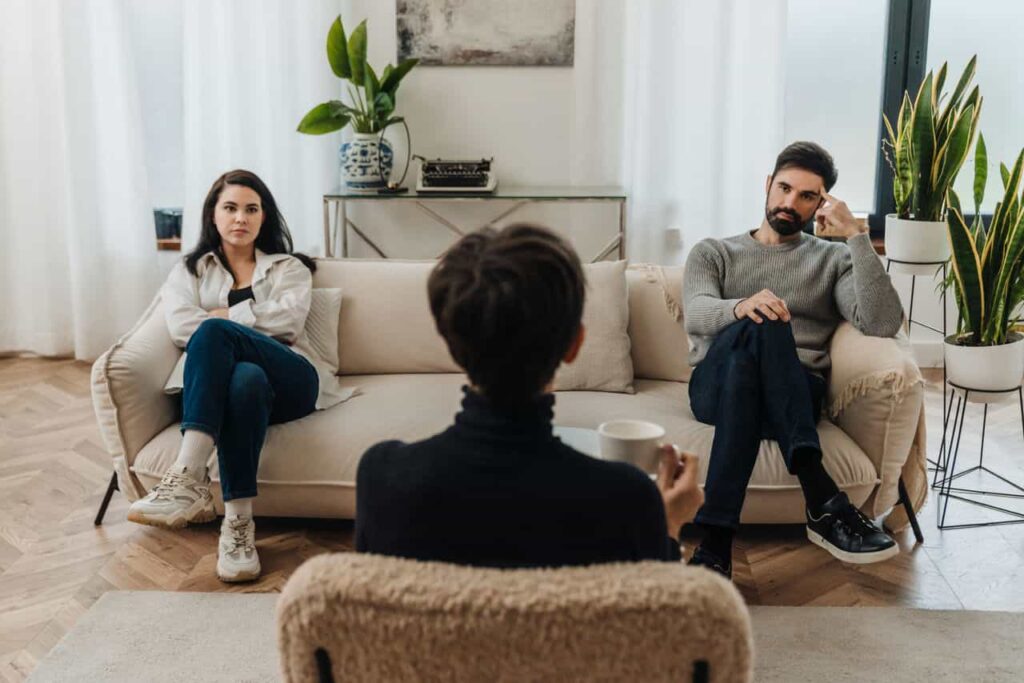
x: 355, y: 617
x: 409, y: 388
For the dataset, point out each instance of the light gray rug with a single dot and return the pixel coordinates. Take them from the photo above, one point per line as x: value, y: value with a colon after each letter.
x: 192, y: 637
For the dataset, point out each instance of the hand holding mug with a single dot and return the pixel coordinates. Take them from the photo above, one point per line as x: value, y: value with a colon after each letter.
x: 677, y: 481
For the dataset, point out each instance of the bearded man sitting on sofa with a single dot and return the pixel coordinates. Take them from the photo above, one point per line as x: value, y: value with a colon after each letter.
x: 498, y: 488
x: 761, y: 308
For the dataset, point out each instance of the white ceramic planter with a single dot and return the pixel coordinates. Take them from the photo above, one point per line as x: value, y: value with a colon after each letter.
x: 989, y: 368
x: 916, y: 241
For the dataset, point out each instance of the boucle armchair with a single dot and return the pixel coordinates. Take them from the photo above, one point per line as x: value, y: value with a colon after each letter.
x: 355, y: 617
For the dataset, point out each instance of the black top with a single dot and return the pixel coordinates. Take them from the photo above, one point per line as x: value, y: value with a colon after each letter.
x: 237, y: 296
x: 498, y: 489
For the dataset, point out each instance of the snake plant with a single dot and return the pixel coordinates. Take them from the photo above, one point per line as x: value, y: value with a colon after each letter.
x: 930, y: 143
x: 371, y: 99
x: 988, y: 264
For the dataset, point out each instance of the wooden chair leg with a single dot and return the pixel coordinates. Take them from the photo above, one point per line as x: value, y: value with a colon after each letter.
x: 111, y: 487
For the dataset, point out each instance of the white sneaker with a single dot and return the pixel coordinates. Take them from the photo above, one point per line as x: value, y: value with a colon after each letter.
x: 178, y: 499
x: 237, y: 559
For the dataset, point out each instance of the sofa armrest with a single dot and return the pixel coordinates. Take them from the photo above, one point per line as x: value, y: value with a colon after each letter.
x: 128, y: 392
x: 876, y: 395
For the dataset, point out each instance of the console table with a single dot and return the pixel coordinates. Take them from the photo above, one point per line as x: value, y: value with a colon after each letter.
x: 336, y: 218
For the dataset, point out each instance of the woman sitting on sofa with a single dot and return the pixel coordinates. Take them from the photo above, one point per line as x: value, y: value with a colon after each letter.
x: 236, y: 303
x: 498, y: 488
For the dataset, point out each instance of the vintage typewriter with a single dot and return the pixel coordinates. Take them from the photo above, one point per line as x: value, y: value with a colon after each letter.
x: 440, y: 175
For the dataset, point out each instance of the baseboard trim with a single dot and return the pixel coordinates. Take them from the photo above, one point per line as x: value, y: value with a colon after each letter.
x: 928, y: 353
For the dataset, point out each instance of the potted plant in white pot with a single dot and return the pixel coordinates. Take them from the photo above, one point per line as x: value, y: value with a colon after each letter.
x: 987, y: 353
x: 926, y: 150
x: 366, y: 160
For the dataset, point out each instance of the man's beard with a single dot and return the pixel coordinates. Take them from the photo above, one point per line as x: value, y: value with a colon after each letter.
x: 784, y: 221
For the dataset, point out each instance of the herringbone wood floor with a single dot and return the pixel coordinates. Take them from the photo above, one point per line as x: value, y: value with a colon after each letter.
x: 54, y: 563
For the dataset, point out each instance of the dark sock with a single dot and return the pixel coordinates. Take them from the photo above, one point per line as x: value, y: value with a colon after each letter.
x: 718, y: 541
x: 814, y: 480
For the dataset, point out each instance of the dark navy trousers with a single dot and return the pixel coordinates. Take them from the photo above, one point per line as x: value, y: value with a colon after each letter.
x: 752, y: 386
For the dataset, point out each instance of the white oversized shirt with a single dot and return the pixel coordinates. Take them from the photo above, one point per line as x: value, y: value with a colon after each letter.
x: 282, y: 292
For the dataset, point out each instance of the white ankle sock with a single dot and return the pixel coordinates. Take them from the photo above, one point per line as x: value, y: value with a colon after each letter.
x: 195, y: 451
x: 241, y: 507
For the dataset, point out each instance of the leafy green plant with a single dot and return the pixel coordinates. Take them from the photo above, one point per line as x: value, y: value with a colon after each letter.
x: 372, y: 100
x: 930, y: 143
x: 988, y: 263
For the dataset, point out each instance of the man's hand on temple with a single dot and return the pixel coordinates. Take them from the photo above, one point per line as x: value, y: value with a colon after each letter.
x: 835, y: 220
x: 765, y: 304
x: 677, y: 481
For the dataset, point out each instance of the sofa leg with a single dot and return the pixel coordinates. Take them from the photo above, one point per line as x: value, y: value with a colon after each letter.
x: 701, y: 672
x: 911, y: 515
x: 111, y: 487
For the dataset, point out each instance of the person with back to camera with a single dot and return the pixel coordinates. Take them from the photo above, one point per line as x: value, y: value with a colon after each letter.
x: 498, y: 488
x: 238, y: 305
x: 761, y: 308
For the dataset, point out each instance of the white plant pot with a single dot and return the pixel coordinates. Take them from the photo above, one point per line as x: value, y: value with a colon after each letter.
x: 912, y: 241
x: 986, y: 368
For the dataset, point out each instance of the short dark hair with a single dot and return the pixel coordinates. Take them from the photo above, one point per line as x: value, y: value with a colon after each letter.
x: 274, y: 237
x: 509, y: 305
x: 810, y: 156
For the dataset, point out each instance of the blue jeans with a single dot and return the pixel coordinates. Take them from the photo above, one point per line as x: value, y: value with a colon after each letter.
x: 752, y: 386
x: 237, y: 382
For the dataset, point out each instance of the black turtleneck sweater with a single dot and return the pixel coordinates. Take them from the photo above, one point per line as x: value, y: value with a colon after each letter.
x: 498, y: 489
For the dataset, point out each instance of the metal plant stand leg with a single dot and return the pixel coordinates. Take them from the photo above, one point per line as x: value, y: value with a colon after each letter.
x: 111, y: 487
x: 946, y: 488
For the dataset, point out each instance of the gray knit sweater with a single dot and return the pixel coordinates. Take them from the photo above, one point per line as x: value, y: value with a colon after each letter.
x: 821, y: 282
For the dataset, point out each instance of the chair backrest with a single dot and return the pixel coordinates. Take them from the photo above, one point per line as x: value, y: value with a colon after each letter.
x: 355, y: 617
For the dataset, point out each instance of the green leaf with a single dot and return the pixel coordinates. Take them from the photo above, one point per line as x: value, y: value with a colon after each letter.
x: 389, y: 82
x: 967, y: 267
x: 1004, y: 173
x: 923, y: 139
x: 953, y: 153
x: 965, y: 80
x: 337, y: 50
x: 371, y: 84
x: 357, y: 55
x: 383, y: 104
x: 940, y: 80
x: 980, y: 173
x: 326, y: 117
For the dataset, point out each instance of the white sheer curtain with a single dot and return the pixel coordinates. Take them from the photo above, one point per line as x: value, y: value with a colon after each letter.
x: 252, y: 69
x: 78, y: 261
x: 681, y: 102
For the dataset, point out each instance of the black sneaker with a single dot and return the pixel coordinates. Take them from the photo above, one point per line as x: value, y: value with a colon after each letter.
x: 707, y: 559
x: 848, y: 534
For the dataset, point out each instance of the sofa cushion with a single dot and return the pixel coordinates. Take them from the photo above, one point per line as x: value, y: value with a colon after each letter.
x: 604, y: 363
x: 660, y: 346
x: 385, y: 324
x: 308, y: 467
x: 321, y: 329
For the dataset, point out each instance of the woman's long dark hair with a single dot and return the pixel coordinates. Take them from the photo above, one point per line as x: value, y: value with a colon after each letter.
x: 273, y: 237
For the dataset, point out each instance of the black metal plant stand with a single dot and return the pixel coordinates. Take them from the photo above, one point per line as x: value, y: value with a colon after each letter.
x: 939, y: 465
x: 946, y: 488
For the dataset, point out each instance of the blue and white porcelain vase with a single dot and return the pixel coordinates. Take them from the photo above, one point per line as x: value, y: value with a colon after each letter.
x: 366, y: 162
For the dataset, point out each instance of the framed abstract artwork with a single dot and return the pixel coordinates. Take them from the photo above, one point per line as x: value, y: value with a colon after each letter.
x: 487, y: 32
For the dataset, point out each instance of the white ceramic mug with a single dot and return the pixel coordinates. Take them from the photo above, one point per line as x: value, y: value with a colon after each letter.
x: 634, y: 441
